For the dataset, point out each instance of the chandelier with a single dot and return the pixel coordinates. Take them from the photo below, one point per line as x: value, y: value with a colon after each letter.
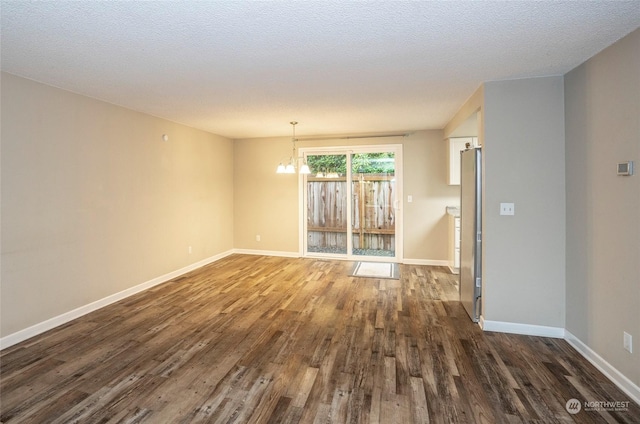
x: 290, y: 168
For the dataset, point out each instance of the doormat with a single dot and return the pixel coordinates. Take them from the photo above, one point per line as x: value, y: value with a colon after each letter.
x: 376, y: 270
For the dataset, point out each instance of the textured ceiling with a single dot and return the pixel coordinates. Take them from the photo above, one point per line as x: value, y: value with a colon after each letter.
x: 245, y: 69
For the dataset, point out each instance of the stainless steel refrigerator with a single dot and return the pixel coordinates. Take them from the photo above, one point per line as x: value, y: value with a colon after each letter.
x: 471, y: 231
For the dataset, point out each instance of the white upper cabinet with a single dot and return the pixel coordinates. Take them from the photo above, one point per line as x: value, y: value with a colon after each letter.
x: 454, y: 146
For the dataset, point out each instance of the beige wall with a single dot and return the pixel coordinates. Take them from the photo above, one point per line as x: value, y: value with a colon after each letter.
x: 267, y: 203
x: 524, y: 254
x: 521, y: 128
x: 603, y: 226
x: 474, y: 104
x: 94, y: 202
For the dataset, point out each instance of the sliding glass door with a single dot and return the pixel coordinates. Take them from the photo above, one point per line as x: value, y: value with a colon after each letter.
x: 373, y: 199
x: 327, y: 210
x: 351, y: 203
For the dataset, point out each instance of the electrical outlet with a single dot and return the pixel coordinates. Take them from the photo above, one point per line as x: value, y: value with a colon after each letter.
x: 190, y: 250
x: 409, y: 199
x: 627, y: 342
x: 507, y: 209
x: 257, y: 237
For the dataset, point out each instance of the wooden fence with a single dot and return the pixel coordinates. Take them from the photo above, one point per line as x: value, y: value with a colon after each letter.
x: 373, y: 215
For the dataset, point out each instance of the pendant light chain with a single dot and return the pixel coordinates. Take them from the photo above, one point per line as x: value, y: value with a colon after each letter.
x: 293, y: 140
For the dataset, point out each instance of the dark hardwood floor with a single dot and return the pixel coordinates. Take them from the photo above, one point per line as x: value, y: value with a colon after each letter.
x: 252, y: 339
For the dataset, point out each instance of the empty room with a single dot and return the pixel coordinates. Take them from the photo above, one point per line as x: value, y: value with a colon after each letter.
x: 320, y: 212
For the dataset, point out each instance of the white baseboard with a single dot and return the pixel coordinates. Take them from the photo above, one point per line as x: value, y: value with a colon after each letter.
x: 267, y: 253
x: 524, y: 329
x: 619, y: 379
x: 428, y: 262
x: 47, y: 325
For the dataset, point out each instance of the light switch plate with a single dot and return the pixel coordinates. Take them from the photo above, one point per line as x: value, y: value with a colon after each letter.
x: 507, y: 209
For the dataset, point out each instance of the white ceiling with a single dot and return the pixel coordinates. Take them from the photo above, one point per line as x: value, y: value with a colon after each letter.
x: 245, y: 69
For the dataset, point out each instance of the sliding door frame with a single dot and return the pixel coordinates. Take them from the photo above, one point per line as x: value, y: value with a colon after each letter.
x: 349, y: 150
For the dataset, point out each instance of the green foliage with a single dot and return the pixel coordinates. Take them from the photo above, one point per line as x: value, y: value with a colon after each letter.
x: 362, y: 163
x: 373, y: 163
x: 327, y: 163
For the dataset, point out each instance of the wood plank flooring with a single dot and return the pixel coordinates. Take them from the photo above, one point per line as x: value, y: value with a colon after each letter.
x: 253, y: 339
